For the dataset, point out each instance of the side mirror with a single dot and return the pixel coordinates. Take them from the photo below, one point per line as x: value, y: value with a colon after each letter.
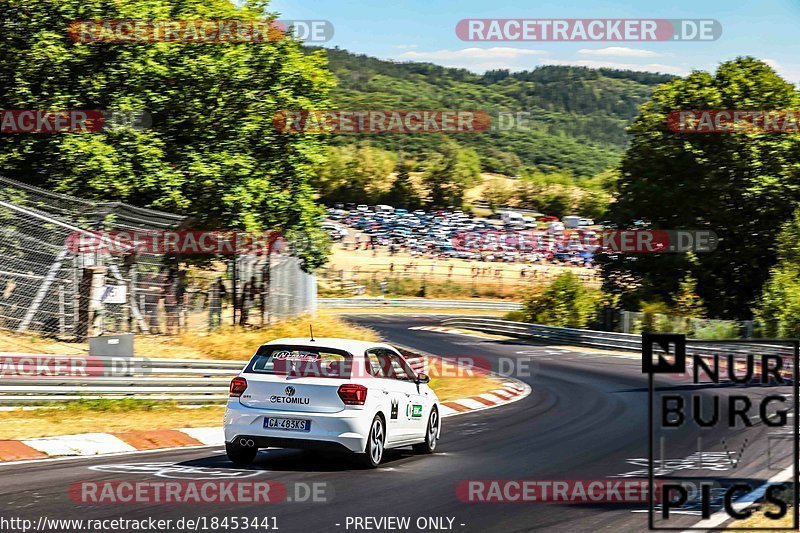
x: 423, y: 378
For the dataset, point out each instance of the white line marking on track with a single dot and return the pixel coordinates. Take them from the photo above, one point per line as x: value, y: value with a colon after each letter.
x: 119, y: 454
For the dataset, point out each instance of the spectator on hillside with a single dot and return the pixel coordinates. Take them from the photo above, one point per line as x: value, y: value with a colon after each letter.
x: 153, y: 288
x: 172, y: 298
x: 249, y: 292
x: 217, y: 295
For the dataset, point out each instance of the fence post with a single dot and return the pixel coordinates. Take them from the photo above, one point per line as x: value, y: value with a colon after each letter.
x: 76, y: 297
x: 233, y: 292
x: 61, y: 310
x: 145, y: 311
x: 270, y: 314
x: 626, y: 321
x: 131, y: 297
x: 90, y: 308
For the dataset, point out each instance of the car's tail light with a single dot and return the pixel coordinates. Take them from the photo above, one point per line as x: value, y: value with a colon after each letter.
x: 238, y: 385
x: 352, y: 394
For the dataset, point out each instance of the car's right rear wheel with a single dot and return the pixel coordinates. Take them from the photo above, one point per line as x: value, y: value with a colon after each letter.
x: 376, y: 440
x: 240, y: 455
x: 431, y: 434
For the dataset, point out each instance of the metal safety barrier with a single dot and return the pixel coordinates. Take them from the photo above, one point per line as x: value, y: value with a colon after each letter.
x: 42, y: 378
x: 355, y: 303
x: 607, y: 340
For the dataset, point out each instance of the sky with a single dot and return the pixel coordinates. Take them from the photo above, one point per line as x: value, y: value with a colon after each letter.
x: 424, y: 30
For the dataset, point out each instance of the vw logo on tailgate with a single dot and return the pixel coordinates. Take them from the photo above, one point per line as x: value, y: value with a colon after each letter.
x: 289, y: 391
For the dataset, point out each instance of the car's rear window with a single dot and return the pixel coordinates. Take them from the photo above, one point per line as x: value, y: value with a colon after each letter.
x: 301, y: 361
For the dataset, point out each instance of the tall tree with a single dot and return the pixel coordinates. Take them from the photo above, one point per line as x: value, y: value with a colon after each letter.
x: 211, y: 152
x: 403, y: 194
x: 449, y: 173
x: 740, y: 185
x: 778, y: 309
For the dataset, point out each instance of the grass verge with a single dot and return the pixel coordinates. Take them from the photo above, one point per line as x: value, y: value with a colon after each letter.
x: 237, y: 343
x: 453, y: 382
x: 105, y: 416
x: 109, y: 416
x: 762, y: 523
x: 389, y: 310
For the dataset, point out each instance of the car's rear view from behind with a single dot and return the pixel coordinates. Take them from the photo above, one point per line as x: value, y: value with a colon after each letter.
x: 329, y: 394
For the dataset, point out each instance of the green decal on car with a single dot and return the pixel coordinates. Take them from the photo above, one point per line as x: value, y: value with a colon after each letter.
x: 416, y: 411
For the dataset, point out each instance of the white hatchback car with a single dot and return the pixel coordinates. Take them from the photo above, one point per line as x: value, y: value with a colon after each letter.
x: 330, y: 394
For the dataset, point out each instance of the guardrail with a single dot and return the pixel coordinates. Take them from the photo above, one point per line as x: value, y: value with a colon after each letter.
x: 355, y: 303
x: 181, y: 380
x: 607, y: 340
x: 186, y: 381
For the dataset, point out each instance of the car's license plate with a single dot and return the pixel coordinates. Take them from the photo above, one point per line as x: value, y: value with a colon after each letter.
x: 289, y: 424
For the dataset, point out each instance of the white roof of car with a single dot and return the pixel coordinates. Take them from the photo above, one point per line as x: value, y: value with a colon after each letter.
x: 349, y: 345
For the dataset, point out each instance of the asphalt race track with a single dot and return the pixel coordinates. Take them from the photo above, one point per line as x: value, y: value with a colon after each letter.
x: 586, y: 419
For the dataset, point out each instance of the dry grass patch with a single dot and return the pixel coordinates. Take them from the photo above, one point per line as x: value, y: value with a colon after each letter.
x: 237, y: 343
x: 389, y: 310
x: 452, y: 382
x: 760, y: 522
x: 105, y: 416
x: 29, y: 343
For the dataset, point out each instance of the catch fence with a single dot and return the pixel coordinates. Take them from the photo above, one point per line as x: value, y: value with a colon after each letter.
x: 50, y: 287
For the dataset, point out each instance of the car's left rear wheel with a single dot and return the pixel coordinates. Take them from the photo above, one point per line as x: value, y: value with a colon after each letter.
x: 240, y: 455
x: 376, y: 441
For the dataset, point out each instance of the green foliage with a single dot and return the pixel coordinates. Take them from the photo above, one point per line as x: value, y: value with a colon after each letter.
x: 449, y: 173
x: 741, y: 186
x: 403, y: 194
x: 655, y: 316
x: 716, y: 330
x: 687, y: 302
x: 576, y: 117
x: 211, y: 153
x: 515, y: 316
x: 122, y: 405
x: 566, y: 302
x: 357, y: 173
x: 561, y: 193
x: 778, y: 309
x: 497, y: 193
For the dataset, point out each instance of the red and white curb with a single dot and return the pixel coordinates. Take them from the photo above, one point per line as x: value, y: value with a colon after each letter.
x: 510, y: 392
x: 91, y: 444
x: 88, y: 444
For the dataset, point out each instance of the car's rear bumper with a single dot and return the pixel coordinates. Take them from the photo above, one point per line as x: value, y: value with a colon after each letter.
x: 303, y: 444
x: 343, y: 430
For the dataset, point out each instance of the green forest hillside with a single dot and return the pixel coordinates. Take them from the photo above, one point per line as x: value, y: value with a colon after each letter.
x: 577, y: 116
